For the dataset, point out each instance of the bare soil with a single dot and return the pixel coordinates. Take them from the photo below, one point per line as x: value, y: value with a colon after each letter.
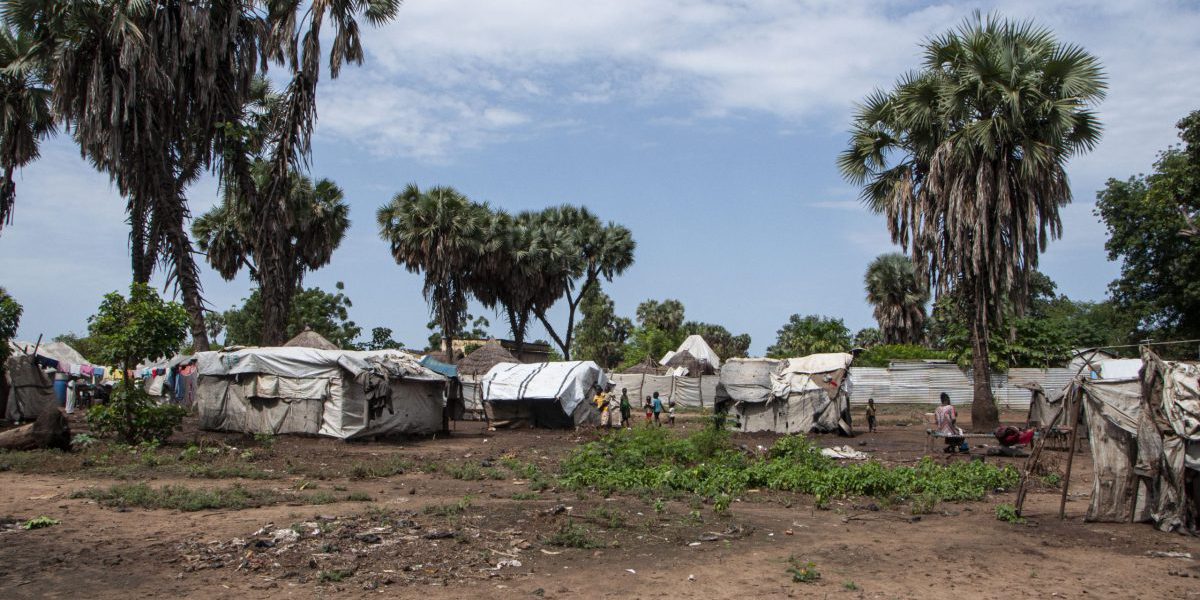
x: 426, y: 533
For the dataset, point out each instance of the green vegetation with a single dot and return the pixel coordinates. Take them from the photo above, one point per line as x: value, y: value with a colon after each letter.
x: 651, y: 460
x: 573, y: 535
x: 128, y: 331
x: 325, y: 313
x: 358, y: 497
x: 449, y: 510
x: 334, y: 575
x: 1008, y: 514
x: 177, y: 497
x: 899, y: 297
x: 850, y: 586
x: 802, y: 572
x: 883, y: 355
x: 10, y: 314
x: 393, y: 465
x: 802, y: 336
x: 39, y: 523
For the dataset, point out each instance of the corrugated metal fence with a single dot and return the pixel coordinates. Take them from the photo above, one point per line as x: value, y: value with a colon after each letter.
x: 923, y: 383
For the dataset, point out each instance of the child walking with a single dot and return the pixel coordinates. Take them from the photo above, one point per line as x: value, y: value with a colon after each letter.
x: 871, y: 414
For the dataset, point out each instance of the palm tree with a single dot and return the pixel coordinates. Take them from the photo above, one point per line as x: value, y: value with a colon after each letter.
x: 317, y: 218
x: 149, y: 90
x: 899, y: 298
x: 966, y: 160
x: 25, y: 119
x: 438, y: 232
x: 573, y: 250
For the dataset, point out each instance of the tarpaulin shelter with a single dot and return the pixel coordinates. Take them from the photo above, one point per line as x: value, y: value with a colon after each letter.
x: 700, y: 350
x: 1145, y: 444
x: 337, y: 393
x: 745, y: 380
x: 684, y: 364
x: 555, y: 394
x: 805, y: 394
x: 30, y: 390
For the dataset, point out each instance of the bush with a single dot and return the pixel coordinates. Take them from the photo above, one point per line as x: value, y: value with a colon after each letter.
x: 134, y: 417
x: 882, y: 356
x: 1008, y: 513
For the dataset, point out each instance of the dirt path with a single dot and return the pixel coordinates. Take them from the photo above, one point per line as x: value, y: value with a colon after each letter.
x: 958, y: 551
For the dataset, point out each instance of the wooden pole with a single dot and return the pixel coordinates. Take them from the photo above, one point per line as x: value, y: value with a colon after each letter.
x: 1034, y: 459
x: 1077, y: 401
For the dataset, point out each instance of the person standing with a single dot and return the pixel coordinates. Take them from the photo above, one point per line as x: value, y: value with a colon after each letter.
x: 614, y: 410
x: 626, y: 408
x: 871, y: 414
x: 657, y: 406
x: 671, y: 412
x: 648, y: 406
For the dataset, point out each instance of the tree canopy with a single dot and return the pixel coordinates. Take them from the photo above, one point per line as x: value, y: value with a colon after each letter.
x: 899, y: 298
x: 601, y: 334
x: 313, y: 308
x: 812, y: 334
x: 1151, y: 221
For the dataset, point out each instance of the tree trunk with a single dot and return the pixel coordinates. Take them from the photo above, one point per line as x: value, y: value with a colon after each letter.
x: 541, y: 315
x: 142, y: 253
x: 186, y: 271
x: 274, y: 276
x: 985, y: 417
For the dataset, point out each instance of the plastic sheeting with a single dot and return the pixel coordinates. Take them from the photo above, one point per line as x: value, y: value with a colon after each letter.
x: 30, y: 390
x: 552, y: 394
x: 748, y: 380
x: 698, y: 348
x: 1112, y: 409
x: 685, y: 391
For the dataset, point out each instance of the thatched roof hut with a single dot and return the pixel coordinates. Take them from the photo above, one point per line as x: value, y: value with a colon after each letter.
x: 311, y: 339
x: 484, y: 358
x: 646, y: 367
x: 695, y: 367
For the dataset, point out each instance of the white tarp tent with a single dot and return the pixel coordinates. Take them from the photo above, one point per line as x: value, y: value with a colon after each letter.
x: 337, y: 393
x: 805, y: 394
x: 698, y: 348
x: 555, y: 394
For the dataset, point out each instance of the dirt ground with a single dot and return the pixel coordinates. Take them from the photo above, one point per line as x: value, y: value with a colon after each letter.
x: 467, y: 515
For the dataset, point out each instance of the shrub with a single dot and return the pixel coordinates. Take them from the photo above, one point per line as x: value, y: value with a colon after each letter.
x: 39, y: 523
x: 803, y: 572
x: 134, y: 417
x: 1008, y: 513
x: 571, y: 535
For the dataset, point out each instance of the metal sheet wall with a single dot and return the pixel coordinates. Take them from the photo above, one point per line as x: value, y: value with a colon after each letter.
x: 923, y: 383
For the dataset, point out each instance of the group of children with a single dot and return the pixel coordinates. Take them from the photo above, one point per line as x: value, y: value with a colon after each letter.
x: 616, y: 412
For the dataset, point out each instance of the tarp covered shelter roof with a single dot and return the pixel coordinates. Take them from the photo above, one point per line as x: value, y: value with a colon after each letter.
x: 646, y: 367
x: 310, y: 339
x: 700, y: 349
x: 695, y: 367
x: 57, y: 350
x: 312, y: 362
x: 568, y: 383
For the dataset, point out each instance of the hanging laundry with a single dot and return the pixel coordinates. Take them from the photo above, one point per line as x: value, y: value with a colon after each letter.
x: 76, y: 370
x: 64, y: 366
x: 87, y: 370
x: 99, y: 372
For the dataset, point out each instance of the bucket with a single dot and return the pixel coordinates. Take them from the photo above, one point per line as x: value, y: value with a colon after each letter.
x: 60, y: 388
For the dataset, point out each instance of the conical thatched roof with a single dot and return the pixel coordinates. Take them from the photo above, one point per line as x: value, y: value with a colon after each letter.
x: 694, y: 366
x: 311, y: 339
x: 484, y: 358
x: 647, y: 367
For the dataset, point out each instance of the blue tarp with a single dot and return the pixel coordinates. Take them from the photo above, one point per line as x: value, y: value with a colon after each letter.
x: 439, y: 367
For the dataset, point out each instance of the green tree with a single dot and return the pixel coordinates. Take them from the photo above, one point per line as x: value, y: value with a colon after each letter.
x: 128, y: 331
x: 381, y: 339
x: 317, y: 219
x: 10, y: 320
x: 966, y: 159
x: 867, y: 337
x: 899, y: 298
x: 154, y: 93
x: 26, y: 118
x: 313, y: 308
x: 440, y: 233
x: 724, y: 343
x: 601, y: 334
x: 1150, y: 221
x: 84, y: 345
x: 811, y: 334
x: 572, y: 252
x: 469, y: 327
x: 666, y: 316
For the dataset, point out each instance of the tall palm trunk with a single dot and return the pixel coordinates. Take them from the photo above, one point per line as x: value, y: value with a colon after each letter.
x: 274, y: 278
x: 186, y: 272
x: 985, y: 416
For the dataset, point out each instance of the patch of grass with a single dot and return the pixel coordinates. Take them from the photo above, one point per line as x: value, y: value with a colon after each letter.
x: 707, y: 464
x: 526, y: 496
x: 39, y: 523
x: 321, y: 497
x: 850, y: 586
x: 358, y: 497
x: 1008, y: 514
x: 802, y: 572
x: 177, y: 497
x: 334, y: 575
x: 922, y: 504
x: 393, y: 465
x: 606, y: 517
x: 467, y: 471
x: 449, y: 510
x: 266, y: 440
x: 233, y: 471
x: 1052, y: 480
x: 572, y: 535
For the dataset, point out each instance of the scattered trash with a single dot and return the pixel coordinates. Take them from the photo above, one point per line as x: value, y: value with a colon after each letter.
x: 550, y: 552
x: 844, y: 452
x: 691, y: 577
x: 508, y: 563
x: 694, y: 544
x: 631, y: 571
x: 284, y: 536
x: 1161, y: 554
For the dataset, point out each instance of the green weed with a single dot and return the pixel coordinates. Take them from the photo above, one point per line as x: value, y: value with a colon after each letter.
x: 39, y: 523
x: 178, y: 497
x: 358, y: 497
x: 1008, y: 514
x: 803, y: 572
x: 449, y: 510
x: 334, y: 575
x: 571, y: 535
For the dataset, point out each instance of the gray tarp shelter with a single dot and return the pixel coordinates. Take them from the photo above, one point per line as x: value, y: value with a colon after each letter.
x: 1145, y: 442
x: 30, y: 390
x: 796, y: 395
x: 555, y: 394
x: 336, y: 393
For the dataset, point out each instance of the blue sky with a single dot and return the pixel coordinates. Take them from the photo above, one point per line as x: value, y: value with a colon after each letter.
x: 708, y: 128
